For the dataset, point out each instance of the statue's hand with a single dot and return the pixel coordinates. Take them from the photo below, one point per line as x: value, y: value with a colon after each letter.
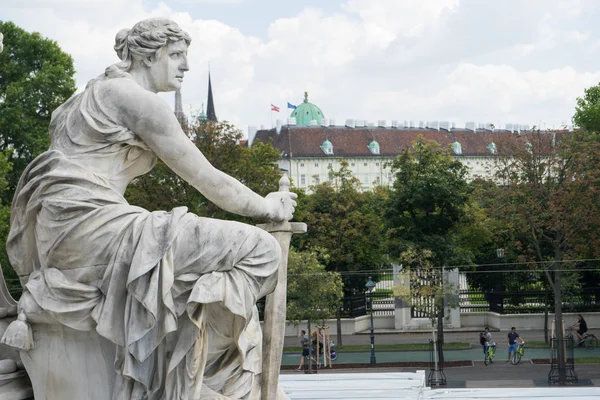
x: 281, y: 206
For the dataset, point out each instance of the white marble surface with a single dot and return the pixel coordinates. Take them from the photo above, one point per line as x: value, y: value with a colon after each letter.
x: 409, y: 386
x: 400, y: 385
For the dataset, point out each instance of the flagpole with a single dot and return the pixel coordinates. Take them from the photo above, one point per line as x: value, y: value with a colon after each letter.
x: 271, y: 117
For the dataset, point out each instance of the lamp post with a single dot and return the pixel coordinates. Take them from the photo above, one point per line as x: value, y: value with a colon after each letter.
x: 370, y: 286
x: 500, y: 254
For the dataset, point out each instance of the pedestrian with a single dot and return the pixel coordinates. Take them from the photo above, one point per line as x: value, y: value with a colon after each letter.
x: 305, y: 343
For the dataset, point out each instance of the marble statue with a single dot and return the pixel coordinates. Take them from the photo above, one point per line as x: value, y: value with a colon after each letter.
x: 122, y: 303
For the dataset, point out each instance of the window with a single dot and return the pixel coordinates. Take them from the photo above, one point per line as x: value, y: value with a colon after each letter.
x: 302, y: 164
x: 303, y: 179
x: 377, y: 164
x: 352, y: 164
x: 365, y: 164
x: 316, y: 164
x: 330, y: 165
x: 317, y: 179
x: 378, y: 180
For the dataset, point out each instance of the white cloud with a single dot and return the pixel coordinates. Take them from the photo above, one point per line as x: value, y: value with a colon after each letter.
x: 381, y: 59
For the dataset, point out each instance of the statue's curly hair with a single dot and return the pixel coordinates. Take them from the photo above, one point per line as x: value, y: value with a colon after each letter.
x: 146, y: 38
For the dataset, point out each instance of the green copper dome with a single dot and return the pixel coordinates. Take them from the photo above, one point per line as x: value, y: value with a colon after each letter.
x: 202, y: 116
x: 457, y: 148
x: 307, y: 112
x: 374, y: 147
x: 327, y: 147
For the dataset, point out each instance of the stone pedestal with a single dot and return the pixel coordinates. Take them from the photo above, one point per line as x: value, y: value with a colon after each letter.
x: 69, y: 364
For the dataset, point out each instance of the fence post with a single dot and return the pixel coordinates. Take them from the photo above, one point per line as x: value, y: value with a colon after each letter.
x: 453, y: 312
x: 401, y: 308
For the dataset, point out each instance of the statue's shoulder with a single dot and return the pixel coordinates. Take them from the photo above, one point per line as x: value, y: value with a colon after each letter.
x: 126, y: 96
x: 120, y: 86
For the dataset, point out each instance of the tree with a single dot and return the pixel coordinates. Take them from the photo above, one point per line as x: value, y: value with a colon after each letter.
x: 587, y: 112
x: 5, y: 171
x: 342, y: 220
x: 36, y: 76
x: 427, y: 203
x: 550, y: 192
x: 255, y: 167
x: 313, y: 293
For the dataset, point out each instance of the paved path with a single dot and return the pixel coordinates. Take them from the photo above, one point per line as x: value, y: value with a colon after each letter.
x: 389, y: 336
x: 498, y: 374
x: 473, y: 354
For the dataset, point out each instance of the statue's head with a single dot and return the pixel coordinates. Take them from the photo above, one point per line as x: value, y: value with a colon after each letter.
x: 155, y: 49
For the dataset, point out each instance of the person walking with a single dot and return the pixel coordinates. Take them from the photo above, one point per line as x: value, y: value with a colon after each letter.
x: 305, y: 343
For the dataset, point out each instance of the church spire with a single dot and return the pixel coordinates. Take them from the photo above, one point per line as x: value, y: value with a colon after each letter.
x: 210, y: 107
x: 179, y: 114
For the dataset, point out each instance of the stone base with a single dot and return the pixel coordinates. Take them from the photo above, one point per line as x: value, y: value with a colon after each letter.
x: 15, y: 386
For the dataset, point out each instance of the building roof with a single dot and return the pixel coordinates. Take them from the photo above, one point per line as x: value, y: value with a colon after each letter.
x: 307, y: 112
x: 306, y: 141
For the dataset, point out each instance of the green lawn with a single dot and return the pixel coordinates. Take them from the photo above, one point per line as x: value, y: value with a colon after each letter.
x: 389, y: 347
x: 537, y: 344
x: 587, y: 360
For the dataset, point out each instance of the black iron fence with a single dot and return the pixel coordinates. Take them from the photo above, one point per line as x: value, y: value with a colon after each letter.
x: 523, y: 292
x: 562, y: 370
x: 356, y: 300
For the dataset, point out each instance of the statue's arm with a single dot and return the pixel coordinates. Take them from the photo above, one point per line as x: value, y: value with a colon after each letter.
x: 153, y: 121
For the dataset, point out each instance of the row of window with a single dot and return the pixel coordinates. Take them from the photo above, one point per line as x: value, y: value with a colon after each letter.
x: 377, y: 164
x: 331, y: 164
x: 364, y: 179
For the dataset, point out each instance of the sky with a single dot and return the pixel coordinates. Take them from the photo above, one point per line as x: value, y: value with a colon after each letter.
x: 510, y: 61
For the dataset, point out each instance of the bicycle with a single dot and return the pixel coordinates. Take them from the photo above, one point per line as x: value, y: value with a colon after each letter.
x: 332, y: 353
x: 518, y: 355
x: 589, y: 341
x: 490, y: 353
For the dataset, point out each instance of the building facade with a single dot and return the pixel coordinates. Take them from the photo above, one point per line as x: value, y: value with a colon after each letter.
x: 310, y: 144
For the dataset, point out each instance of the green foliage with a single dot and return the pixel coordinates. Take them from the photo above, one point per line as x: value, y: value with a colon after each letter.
x: 421, y: 284
x: 428, y: 201
x: 36, y: 76
x: 255, y: 167
x: 347, y: 222
x: 587, y: 112
x: 549, y: 195
x: 313, y: 293
x: 5, y: 171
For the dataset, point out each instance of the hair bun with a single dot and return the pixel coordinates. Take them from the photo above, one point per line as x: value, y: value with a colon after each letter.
x: 121, y: 43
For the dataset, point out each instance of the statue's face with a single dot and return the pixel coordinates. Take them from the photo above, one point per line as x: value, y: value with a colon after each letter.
x: 166, y: 71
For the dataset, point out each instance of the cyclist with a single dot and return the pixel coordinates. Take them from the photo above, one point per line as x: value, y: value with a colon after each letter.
x: 485, y: 339
x: 582, y: 325
x: 513, y: 338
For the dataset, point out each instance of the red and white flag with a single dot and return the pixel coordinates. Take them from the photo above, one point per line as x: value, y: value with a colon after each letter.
x: 274, y: 108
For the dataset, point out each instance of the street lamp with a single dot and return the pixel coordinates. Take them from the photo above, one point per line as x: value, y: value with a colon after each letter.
x: 370, y: 286
x: 500, y: 253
